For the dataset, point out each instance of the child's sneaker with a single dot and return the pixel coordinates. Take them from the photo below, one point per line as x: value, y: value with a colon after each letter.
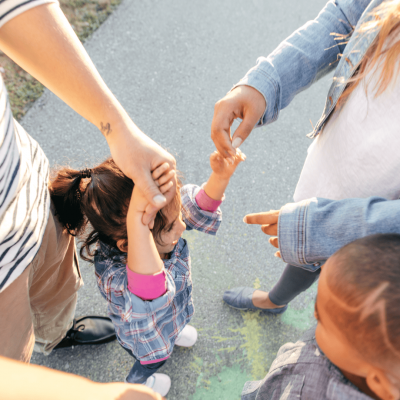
x: 160, y: 383
x: 188, y: 337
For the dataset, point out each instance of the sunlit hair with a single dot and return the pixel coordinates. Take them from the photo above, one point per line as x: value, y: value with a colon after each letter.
x: 381, y: 53
x: 364, y: 278
x: 95, y: 208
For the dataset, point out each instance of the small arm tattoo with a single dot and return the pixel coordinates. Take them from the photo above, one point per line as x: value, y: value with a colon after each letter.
x: 105, y: 128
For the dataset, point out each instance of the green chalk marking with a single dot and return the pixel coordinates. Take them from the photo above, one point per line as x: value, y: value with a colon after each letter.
x: 199, y: 379
x: 227, y: 385
x: 301, y: 319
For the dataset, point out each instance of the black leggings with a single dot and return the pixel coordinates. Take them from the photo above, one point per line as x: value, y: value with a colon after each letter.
x: 292, y: 282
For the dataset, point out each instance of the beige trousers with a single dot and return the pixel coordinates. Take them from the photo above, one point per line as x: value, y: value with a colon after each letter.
x: 38, y: 308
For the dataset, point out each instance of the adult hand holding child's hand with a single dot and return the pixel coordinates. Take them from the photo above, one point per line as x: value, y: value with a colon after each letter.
x: 243, y: 102
x: 269, y: 225
x: 164, y: 179
x: 138, y: 157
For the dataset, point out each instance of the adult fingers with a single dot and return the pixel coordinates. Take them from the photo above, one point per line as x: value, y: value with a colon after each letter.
x: 167, y: 177
x: 146, y: 181
x: 151, y: 191
x: 278, y: 254
x: 160, y: 170
x: 244, y: 129
x: 263, y: 218
x: 166, y: 186
x: 271, y: 230
x: 244, y: 102
x: 151, y: 209
x: 221, y: 128
x: 274, y: 241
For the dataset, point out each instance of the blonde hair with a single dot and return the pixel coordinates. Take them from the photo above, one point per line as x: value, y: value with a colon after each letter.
x: 387, y: 20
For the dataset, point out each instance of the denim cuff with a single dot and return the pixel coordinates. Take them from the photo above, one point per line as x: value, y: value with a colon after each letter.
x: 292, y: 229
x: 268, y: 87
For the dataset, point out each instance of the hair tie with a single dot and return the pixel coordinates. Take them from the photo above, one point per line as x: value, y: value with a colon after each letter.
x: 86, y: 173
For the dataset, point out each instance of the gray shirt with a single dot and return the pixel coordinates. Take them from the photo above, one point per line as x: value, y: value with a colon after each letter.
x: 301, y: 371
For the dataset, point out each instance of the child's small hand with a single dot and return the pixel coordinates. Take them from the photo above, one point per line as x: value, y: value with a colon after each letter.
x: 222, y: 167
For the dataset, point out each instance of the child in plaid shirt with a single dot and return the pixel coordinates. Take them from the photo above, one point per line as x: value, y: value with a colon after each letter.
x: 143, y: 273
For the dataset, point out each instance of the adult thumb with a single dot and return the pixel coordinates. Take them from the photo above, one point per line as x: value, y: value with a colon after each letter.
x: 151, y: 191
x: 243, y: 131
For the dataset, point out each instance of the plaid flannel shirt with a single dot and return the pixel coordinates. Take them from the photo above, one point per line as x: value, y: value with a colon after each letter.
x: 149, y: 328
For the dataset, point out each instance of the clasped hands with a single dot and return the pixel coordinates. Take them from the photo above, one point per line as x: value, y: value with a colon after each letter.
x: 165, y: 179
x: 249, y: 105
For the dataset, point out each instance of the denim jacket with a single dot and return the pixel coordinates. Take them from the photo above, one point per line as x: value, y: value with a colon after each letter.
x: 311, y: 231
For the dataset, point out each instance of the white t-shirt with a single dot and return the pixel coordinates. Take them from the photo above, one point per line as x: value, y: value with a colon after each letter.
x: 357, y: 155
x: 24, y: 171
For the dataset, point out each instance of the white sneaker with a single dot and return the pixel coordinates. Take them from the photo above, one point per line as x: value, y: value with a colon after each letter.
x: 188, y: 336
x: 160, y: 383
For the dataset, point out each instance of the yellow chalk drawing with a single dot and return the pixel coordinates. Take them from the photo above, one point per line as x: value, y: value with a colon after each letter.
x: 220, y: 339
x: 253, y: 343
x: 257, y: 284
x: 228, y: 349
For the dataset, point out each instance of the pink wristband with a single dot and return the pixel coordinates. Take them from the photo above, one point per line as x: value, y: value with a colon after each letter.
x: 147, y: 287
x: 206, y: 203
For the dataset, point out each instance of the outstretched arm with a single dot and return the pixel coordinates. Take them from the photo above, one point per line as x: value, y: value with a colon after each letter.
x: 307, y: 233
x: 221, y: 174
x: 42, y: 42
x: 327, y: 225
x: 21, y: 381
x: 300, y: 60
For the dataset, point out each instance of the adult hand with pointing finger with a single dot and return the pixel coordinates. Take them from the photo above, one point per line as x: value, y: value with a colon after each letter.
x: 269, y: 225
x: 243, y: 102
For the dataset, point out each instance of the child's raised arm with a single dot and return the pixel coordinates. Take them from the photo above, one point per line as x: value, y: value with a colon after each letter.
x: 222, y: 172
x: 145, y: 269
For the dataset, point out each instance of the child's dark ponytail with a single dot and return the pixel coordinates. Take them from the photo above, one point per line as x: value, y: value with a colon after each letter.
x: 66, y: 193
x: 98, y: 198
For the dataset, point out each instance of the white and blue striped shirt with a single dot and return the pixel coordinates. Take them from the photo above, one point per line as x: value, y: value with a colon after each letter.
x: 24, y: 172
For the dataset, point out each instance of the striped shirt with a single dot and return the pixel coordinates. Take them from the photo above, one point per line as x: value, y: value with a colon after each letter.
x: 24, y: 170
x: 149, y: 328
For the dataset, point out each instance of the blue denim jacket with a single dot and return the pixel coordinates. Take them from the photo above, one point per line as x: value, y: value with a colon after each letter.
x: 311, y: 231
x: 310, y: 53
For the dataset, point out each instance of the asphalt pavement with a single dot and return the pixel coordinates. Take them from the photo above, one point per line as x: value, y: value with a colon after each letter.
x: 168, y: 62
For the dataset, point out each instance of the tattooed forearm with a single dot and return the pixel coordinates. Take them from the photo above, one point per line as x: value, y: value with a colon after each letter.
x: 105, y: 128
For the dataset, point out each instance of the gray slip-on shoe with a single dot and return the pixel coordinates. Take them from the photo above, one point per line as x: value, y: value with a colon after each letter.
x: 241, y: 299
